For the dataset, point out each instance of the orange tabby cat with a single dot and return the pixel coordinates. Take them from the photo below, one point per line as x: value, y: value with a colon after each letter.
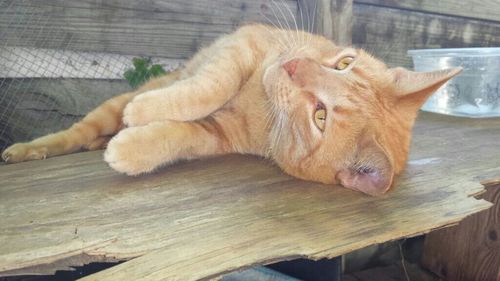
x: 322, y: 112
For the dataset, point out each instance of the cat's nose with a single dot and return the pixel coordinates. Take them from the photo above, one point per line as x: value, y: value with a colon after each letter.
x: 291, y: 66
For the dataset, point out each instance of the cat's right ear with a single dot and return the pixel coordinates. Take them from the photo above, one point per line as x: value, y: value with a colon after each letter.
x: 413, y: 88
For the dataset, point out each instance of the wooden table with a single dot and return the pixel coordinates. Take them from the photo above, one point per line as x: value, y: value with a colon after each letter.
x: 205, y: 218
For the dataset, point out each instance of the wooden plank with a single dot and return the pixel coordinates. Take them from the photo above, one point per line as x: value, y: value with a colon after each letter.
x: 165, y: 28
x: 204, y: 218
x: 333, y: 19
x: 475, y: 9
x: 471, y: 250
x: 389, y: 33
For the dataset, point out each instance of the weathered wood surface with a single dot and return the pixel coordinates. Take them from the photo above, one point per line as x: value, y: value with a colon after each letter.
x: 331, y: 18
x: 205, y: 218
x: 471, y: 250
x: 475, y: 9
x: 31, y: 108
x: 170, y: 28
x: 389, y: 32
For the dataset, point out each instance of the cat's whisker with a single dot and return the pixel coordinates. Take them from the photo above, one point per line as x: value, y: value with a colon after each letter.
x: 279, y: 22
x: 314, y: 16
x: 294, y: 21
x: 301, y: 24
x: 270, y: 115
x: 304, y: 35
x: 277, y: 35
x: 308, y: 24
x: 282, y: 118
x: 277, y: 38
x: 308, y: 18
x: 289, y: 29
x: 273, y: 35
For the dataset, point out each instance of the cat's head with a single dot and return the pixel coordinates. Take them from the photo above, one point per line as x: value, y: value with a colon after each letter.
x: 343, y: 117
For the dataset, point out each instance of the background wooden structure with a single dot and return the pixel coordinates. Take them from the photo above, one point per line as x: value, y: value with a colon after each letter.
x: 471, y: 250
x: 175, y: 29
x: 389, y: 28
x: 164, y: 28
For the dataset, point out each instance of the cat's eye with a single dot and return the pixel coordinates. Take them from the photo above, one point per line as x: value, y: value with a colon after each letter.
x: 343, y: 63
x: 320, y: 116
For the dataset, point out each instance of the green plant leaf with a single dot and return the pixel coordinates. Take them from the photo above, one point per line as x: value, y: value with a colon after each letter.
x: 157, y: 70
x: 142, y: 72
x: 141, y: 63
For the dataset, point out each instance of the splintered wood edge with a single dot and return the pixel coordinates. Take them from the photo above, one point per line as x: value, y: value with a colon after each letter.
x: 66, y: 264
x: 491, y: 183
x: 50, y: 264
x: 486, y: 184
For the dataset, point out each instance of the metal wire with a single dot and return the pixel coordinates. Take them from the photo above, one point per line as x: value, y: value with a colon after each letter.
x: 34, y: 51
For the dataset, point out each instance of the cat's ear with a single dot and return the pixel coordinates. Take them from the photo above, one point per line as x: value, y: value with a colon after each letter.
x: 371, y: 170
x: 415, y: 87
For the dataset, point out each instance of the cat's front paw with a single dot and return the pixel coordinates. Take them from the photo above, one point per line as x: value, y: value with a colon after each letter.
x: 20, y: 152
x: 127, y: 153
x: 140, y: 111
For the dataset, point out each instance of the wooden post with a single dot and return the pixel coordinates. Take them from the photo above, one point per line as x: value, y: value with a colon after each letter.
x: 471, y: 250
x: 332, y: 19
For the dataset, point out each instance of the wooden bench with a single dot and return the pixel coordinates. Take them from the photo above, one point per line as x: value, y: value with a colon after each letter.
x: 205, y: 218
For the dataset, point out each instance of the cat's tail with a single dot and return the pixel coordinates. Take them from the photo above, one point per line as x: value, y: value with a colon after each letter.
x: 91, y: 133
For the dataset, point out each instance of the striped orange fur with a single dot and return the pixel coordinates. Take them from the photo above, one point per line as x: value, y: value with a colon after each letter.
x: 322, y: 112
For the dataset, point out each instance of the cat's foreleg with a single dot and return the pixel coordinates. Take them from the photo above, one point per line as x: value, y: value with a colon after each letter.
x: 196, y: 97
x: 138, y: 150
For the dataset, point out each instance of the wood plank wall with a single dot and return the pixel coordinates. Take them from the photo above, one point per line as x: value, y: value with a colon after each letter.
x: 388, y: 28
x: 169, y: 28
x: 166, y: 28
x: 177, y: 28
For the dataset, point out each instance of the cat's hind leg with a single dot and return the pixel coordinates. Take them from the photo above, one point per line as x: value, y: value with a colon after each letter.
x: 138, y: 150
x: 91, y: 133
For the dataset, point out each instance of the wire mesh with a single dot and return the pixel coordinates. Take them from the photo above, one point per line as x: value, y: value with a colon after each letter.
x: 40, y: 71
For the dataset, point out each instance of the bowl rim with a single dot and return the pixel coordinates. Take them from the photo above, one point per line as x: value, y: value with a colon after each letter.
x: 456, y: 52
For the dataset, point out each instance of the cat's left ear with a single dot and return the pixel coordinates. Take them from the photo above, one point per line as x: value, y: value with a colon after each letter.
x: 371, y: 170
x: 415, y: 87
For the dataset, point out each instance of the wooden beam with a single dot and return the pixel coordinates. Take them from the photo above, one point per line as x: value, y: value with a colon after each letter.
x: 204, y: 218
x: 471, y: 9
x: 389, y: 33
x: 165, y: 28
x: 330, y: 18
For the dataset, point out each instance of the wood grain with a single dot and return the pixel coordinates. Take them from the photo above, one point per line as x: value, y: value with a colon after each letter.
x: 389, y: 33
x: 472, y: 9
x: 333, y: 19
x: 471, y: 250
x: 169, y: 28
x: 201, y: 219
